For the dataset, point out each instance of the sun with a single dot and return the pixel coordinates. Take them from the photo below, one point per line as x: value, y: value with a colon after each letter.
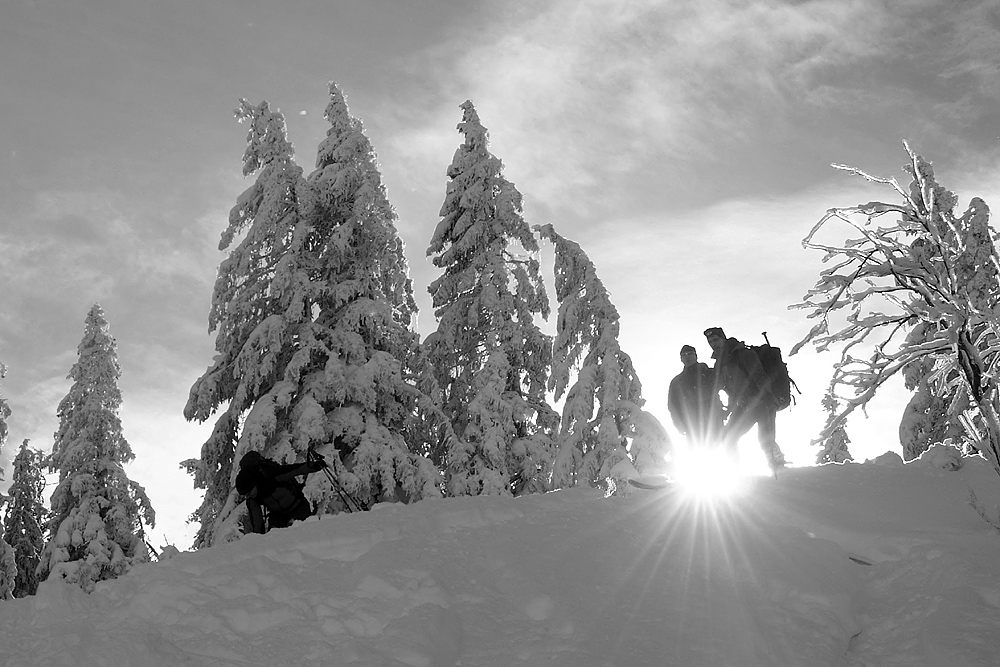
x: 709, y: 472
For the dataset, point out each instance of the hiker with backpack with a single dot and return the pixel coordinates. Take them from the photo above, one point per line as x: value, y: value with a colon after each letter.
x: 739, y: 372
x: 693, y: 401
x: 271, y: 485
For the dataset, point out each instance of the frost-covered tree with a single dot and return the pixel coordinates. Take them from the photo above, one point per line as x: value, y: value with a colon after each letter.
x: 374, y: 381
x: 8, y: 568
x: 8, y: 571
x: 95, y: 525
x: 833, y: 446
x: 4, y: 411
x: 928, y: 266
x: 25, y: 516
x: 256, y: 306
x: 603, y: 410
x: 929, y: 417
x: 313, y: 308
x: 491, y: 359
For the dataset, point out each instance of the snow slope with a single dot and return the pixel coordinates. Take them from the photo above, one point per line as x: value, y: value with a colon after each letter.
x: 765, y: 578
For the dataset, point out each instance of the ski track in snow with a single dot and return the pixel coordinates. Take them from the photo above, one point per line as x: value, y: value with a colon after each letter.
x: 568, y: 578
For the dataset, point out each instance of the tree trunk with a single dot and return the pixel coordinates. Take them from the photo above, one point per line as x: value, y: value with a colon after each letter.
x: 971, y: 363
x: 990, y: 445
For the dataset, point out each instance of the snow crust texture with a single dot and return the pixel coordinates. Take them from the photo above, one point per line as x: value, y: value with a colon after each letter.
x: 856, y: 564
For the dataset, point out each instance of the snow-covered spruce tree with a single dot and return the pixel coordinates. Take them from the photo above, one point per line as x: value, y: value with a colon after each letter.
x: 25, y: 516
x: 603, y: 412
x: 369, y: 372
x: 256, y: 307
x: 8, y: 571
x: 4, y: 410
x: 929, y: 266
x: 833, y: 445
x: 8, y: 568
x: 312, y: 309
x: 490, y: 358
x: 95, y: 525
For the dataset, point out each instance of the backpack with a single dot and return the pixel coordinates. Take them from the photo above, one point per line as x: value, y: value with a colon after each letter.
x: 778, y: 380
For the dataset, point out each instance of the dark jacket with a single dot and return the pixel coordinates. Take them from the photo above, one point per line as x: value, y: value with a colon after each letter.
x: 693, y: 399
x: 272, y: 484
x: 738, y: 372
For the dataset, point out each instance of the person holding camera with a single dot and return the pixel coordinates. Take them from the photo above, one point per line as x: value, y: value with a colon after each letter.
x: 266, y: 484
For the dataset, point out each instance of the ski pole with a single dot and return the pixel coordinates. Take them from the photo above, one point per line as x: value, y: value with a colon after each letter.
x: 350, y: 503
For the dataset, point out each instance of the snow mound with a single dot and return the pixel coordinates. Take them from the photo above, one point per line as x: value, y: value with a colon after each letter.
x: 942, y: 456
x: 862, y: 564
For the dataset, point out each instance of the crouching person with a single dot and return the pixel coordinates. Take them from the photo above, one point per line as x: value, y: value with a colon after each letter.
x: 267, y: 484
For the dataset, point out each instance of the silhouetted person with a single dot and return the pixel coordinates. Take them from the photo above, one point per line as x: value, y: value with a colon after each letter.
x: 266, y: 483
x: 693, y: 401
x: 738, y: 372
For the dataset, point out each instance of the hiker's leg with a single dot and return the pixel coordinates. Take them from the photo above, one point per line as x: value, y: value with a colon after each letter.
x: 301, y: 511
x: 256, y: 516
x: 740, y: 421
x: 766, y: 434
x: 298, y: 512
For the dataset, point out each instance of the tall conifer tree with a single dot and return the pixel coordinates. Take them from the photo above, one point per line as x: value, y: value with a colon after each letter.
x: 95, y: 529
x: 313, y: 309
x: 603, y: 415
x: 8, y: 569
x: 372, y: 379
x: 4, y: 410
x: 258, y: 302
x: 25, y: 516
x: 491, y: 359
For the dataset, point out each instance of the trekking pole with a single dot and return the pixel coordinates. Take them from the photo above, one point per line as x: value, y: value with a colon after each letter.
x: 145, y: 540
x: 149, y: 546
x: 764, y: 333
x: 350, y: 503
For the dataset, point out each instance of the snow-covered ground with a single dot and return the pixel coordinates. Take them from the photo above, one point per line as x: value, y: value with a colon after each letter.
x: 860, y: 564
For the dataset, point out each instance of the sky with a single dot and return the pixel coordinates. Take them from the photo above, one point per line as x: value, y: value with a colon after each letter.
x: 782, y: 573
x: 686, y: 146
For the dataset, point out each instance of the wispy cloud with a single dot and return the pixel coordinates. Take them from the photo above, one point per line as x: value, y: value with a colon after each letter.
x: 583, y: 95
x: 149, y: 264
x: 591, y: 90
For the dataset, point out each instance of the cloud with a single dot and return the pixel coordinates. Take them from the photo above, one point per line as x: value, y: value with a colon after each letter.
x: 594, y: 102
x: 149, y: 260
x: 585, y: 93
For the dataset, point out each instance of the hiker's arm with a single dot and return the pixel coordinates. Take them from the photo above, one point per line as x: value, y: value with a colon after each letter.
x: 674, y: 407
x: 291, y: 470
